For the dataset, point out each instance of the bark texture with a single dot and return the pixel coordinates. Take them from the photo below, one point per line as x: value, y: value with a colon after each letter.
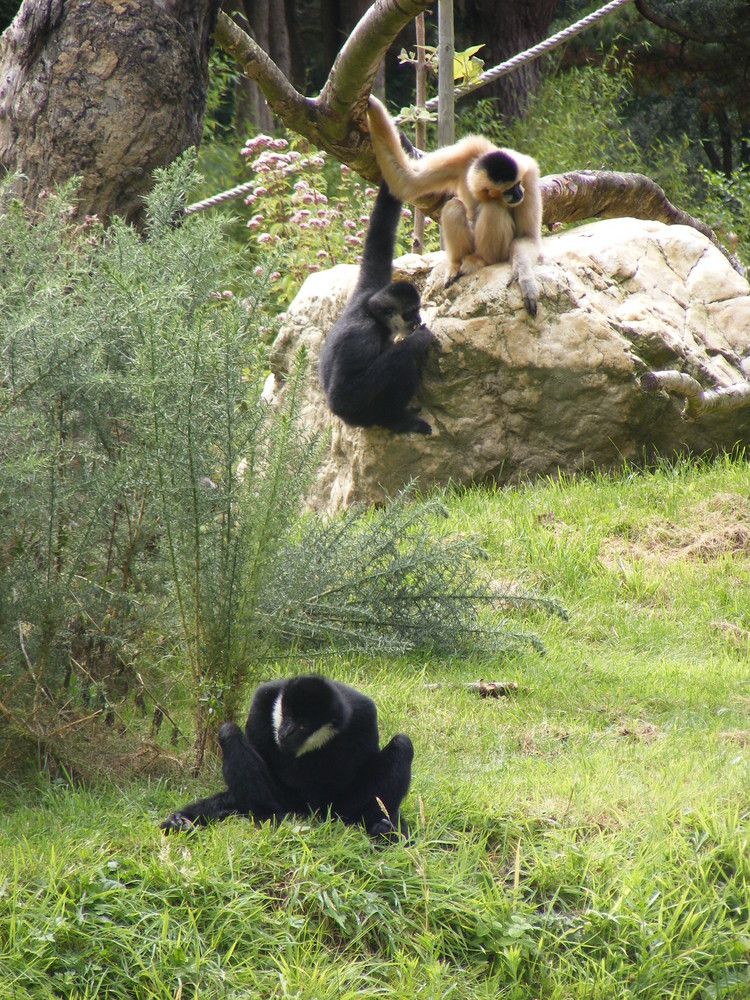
x: 104, y: 89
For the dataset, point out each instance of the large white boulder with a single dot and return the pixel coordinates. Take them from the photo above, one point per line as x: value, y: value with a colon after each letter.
x: 510, y: 396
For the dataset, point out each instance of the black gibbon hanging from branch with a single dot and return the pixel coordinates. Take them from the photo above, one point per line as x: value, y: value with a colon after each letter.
x: 369, y: 377
x: 310, y: 745
x: 496, y: 212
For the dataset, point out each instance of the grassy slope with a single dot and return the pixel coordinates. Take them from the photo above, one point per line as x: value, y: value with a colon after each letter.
x: 587, y: 838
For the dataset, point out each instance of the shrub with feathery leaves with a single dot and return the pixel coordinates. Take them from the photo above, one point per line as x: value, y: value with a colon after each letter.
x: 150, y: 498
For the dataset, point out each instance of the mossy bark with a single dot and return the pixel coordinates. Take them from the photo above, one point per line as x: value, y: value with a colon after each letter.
x: 107, y: 90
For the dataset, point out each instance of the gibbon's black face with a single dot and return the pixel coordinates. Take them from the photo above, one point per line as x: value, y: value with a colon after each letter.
x: 397, y: 308
x: 514, y: 195
x: 501, y: 173
x: 306, y: 714
x: 406, y: 304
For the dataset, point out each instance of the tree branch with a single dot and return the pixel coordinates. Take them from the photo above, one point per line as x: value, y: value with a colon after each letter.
x: 697, y: 399
x: 668, y: 23
x: 349, y: 83
x: 336, y: 120
x: 295, y: 110
x: 605, y: 194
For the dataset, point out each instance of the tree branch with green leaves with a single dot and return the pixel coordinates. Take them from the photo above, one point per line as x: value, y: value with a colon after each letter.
x: 336, y: 120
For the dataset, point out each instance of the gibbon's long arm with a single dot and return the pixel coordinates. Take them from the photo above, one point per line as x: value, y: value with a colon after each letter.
x: 439, y: 172
x: 380, y: 241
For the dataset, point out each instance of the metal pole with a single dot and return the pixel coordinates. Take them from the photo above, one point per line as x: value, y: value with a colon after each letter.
x: 446, y: 130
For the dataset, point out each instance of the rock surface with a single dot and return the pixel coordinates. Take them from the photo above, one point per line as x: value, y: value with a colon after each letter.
x: 509, y: 396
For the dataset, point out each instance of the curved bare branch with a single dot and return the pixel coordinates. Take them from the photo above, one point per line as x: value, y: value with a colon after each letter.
x: 336, y: 119
x: 668, y: 23
x: 295, y: 110
x: 697, y: 399
x: 605, y: 194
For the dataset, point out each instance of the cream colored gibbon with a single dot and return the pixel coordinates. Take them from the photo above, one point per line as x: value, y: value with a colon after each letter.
x: 496, y: 212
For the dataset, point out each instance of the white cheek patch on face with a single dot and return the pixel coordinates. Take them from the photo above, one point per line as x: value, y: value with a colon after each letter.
x: 317, y: 739
x: 399, y: 326
x: 276, y: 717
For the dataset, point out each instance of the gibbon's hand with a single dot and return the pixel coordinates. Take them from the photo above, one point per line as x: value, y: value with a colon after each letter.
x: 177, y: 822
x: 422, y: 336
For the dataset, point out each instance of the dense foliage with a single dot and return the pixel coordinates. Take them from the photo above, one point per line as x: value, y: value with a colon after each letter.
x: 150, y: 498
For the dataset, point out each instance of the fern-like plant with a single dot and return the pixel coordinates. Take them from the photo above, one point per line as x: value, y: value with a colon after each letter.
x: 150, y: 498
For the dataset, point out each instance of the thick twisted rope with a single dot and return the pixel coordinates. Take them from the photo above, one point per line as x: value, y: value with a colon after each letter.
x: 217, y: 199
x: 533, y: 53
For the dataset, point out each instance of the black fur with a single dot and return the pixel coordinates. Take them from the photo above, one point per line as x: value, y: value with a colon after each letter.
x: 368, y: 378
x: 499, y: 167
x: 267, y: 778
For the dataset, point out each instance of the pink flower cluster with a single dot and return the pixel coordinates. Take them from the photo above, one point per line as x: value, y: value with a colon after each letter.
x: 291, y: 204
x: 299, y: 199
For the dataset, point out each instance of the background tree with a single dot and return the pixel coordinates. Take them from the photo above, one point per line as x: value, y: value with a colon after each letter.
x: 699, y: 60
x: 107, y: 93
x: 274, y: 27
x: 506, y: 29
x: 111, y: 96
x: 691, y: 73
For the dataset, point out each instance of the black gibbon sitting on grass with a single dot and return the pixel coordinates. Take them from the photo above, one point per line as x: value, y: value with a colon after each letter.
x: 310, y: 745
x: 369, y: 377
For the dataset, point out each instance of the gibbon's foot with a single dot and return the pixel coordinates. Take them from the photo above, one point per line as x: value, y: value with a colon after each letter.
x: 412, y: 422
x: 452, y: 274
x: 530, y: 295
x: 413, y: 426
x: 409, y: 423
x: 386, y: 833
x: 468, y: 265
x: 472, y: 264
x: 177, y: 822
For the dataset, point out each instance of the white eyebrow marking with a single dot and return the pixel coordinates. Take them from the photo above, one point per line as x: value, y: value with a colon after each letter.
x: 317, y: 739
x: 276, y: 718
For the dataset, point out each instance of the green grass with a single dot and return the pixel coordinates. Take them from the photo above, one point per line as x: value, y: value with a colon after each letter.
x: 586, y: 838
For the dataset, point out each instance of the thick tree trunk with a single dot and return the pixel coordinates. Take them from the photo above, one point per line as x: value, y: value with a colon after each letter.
x: 506, y: 29
x: 104, y: 89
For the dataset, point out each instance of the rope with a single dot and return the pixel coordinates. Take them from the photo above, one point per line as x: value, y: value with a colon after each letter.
x: 533, y: 53
x: 217, y: 199
x: 491, y: 74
